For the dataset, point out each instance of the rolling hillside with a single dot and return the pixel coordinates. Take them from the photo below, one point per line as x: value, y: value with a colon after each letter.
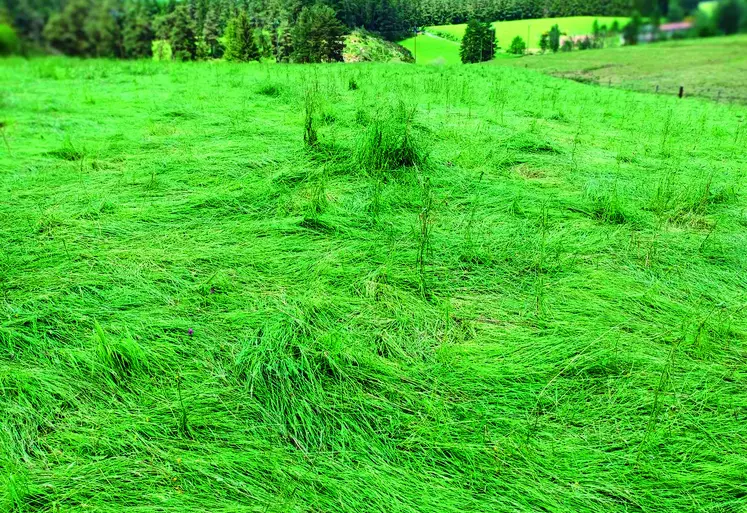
x: 440, y: 50
x: 714, y: 68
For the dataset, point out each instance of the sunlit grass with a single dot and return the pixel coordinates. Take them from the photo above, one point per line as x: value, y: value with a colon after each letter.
x: 466, y: 288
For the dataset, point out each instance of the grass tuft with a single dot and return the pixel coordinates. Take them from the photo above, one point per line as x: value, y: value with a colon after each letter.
x: 390, y: 145
x: 270, y: 89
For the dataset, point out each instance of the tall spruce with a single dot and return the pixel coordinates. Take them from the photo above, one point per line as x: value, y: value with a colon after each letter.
x: 211, y: 32
x: 183, y: 36
x: 318, y: 35
x: 478, y: 43
x: 632, y: 29
x: 137, y: 34
x: 239, y: 37
x: 554, y: 38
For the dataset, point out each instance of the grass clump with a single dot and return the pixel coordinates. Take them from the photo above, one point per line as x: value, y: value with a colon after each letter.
x: 686, y: 202
x: 68, y: 152
x: 390, y: 145
x: 270, y: 89
x: 120, y: 359
x: 606, y: 204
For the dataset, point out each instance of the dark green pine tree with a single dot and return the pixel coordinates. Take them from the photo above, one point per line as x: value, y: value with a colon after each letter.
x: 28, y: 20
x: 183, y: 36
x: 202, y: 8
x: 554, y: 38
x: 282, y: 42
x: 318, y: 35
x: 632, y: 29
x: 103, y: 27
x: 239, y: 37
x: 211, y: 32
x: 478, y: 42
x: 137, y: 34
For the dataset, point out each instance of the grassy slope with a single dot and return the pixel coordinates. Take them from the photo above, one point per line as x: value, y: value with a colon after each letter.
x: 713, y: 68
x: 581, y: 345
x: 433, y: 50
x: 364, y: 47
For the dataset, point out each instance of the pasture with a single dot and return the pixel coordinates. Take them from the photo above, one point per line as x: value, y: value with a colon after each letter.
x: 359, y: 288
x: 429, y: 49
x: 531, y: 30
x: 714, y: 68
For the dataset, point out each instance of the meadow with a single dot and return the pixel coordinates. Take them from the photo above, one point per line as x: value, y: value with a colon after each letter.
x: 430, y: 49
x: 714, y: 68
x: 440, y: 50
x: 367, y: 287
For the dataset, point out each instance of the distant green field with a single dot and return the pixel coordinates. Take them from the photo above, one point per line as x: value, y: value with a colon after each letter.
x: 531, y: 30
x: 432, y: 50
x: 435, y: 50
x: 713, y: 67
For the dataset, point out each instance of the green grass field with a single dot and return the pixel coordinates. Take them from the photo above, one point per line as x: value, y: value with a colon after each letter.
x: 712, y: 68
x: 434, y: 50
x: 479, y: 289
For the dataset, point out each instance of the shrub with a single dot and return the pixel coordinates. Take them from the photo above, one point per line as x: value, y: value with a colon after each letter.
x: 704, y: 26
x: 9, y: 43
x: 444, y: 35
x: 545, y: 42
x: 478, y: 43
x: 518, y: 46
x: 567, y: 45
x: 728, y: 15
x: 161, y: 50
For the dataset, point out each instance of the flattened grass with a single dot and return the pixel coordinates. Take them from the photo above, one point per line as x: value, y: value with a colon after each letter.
x: 201, y: 312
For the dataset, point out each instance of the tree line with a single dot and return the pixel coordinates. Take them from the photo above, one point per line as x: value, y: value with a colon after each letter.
x: 239, y: 30
x: 206, y: 28
x: 298, y: 30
